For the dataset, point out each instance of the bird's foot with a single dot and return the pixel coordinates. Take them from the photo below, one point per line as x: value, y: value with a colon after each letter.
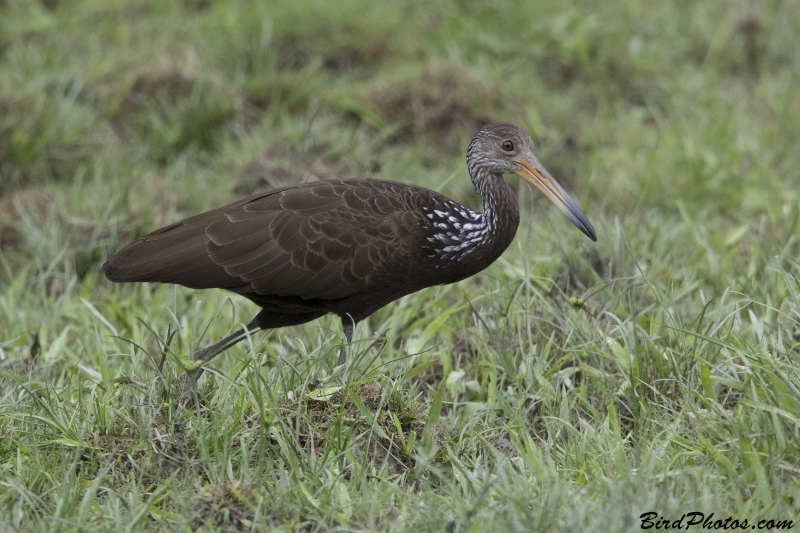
x: 189, y: 389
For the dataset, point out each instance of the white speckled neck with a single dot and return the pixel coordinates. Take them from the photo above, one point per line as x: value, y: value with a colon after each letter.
x: 462, y: 231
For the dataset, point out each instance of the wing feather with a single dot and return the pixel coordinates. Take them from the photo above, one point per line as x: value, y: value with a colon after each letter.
x: 325, y: 240
x: 232, y: 257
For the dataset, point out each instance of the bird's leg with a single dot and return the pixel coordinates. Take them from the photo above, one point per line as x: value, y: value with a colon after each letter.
x: 204, y: 355
x: 348, y: 326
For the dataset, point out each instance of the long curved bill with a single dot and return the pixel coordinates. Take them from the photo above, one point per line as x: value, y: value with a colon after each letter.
x: 532, y: 171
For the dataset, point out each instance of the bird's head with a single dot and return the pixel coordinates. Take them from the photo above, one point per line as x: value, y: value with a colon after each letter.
x: 504, y: 148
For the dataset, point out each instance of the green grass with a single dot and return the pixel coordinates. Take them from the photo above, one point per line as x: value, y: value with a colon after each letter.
x: 572, y: 386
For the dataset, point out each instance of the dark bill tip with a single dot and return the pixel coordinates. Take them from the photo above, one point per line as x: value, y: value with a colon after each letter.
x: 582, y: 223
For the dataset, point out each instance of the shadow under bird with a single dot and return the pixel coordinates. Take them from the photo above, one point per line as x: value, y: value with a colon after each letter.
x: 346, y: 247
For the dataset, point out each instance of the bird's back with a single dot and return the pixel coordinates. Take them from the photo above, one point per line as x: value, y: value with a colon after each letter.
x: 325, y: 240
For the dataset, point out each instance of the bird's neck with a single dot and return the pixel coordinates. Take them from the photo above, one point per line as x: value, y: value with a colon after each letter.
x: 500, y: 213
x: 463, y: 242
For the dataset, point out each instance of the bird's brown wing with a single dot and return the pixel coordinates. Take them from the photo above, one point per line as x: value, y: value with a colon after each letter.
x: 325, y: 240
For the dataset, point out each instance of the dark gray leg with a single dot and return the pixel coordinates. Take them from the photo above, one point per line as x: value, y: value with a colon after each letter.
x: 206, y: 354
x: 348, y: 326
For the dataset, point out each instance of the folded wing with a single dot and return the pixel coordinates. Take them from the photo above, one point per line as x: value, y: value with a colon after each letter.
x: 325, y: 240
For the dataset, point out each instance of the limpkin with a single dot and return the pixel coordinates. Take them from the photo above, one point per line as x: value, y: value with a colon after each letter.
x: 346, y: 247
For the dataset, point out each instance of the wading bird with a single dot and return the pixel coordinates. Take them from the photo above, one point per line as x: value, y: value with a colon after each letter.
x: 346, y: 247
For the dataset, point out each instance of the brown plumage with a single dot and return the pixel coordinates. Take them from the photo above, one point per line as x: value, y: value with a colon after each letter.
x: 346, y: 247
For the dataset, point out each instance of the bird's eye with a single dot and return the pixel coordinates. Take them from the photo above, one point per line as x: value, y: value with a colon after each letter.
x: 508, y: 146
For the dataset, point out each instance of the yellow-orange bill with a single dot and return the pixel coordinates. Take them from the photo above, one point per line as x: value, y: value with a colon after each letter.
x: 532, y: 171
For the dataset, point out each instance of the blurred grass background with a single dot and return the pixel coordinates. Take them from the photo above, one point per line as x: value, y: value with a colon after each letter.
x: 572, y: 386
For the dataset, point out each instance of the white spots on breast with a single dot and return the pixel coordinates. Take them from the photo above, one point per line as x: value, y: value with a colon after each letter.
x: 457, y: 248
x: 459, y: 230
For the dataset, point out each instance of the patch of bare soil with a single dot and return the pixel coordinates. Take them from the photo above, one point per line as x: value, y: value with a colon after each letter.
x: 327, y: 420
x: 28, y: 204
x: 231, y: 504
x: 37, y: 142
x: 159, y: 87
x: 284, y: 165
x: 339, y: 52
x: 170, y: 112
x: 447, y: 102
